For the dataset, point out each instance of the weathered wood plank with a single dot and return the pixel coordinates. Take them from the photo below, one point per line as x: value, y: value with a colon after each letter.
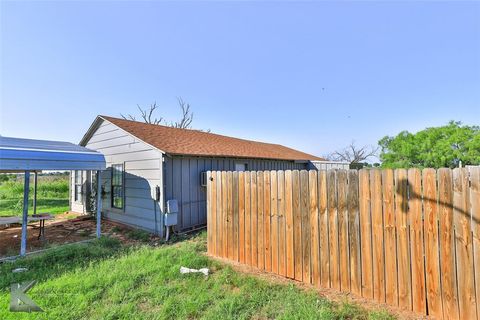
x: 333, y: 229
x: 266, y: 218
x: 402, y: 222
x: 260, y: 224
x: 297, y: 226
x: 463, y: 244
x: 432, y: 256
x: 416, y: 240
x: 241, y: 216
x: 248, y: 219
x: 235, y: 215
x: 323, y: 230
x: 210, y: 230
x: 254, y: 219
x: 274, y: 219
x: 224, y: 214
x: 447, y: 244
x: 354, y: 233
x: 366, y: 233
x: 212, y: 205
x: 289, y: 225
x: 282, y: 255
x: 314, y: 227
x: 388, y: 189
x: 343, y: 230
x: 230, y: 221
x: 475, y: 207
x: 304, y: 208
x: 218, y: 215
x: 377, y: 235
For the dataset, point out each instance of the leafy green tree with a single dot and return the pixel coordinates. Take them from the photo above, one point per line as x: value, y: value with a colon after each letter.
x: 434, y: 147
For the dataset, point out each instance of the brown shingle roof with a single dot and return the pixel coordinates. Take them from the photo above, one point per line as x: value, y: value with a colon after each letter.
x: 197, y: 143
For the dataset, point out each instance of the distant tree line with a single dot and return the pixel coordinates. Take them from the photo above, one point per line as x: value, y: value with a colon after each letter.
x: 450, y: 146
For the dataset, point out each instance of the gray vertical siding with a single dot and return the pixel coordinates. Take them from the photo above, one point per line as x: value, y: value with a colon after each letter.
x: 325, y: 165
x: 182, y: 182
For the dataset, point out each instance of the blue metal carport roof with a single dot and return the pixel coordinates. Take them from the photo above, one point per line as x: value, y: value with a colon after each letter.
x: 18, y: 154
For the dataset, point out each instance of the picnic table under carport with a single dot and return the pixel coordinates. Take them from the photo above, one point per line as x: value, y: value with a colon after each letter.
x: 29, y: 155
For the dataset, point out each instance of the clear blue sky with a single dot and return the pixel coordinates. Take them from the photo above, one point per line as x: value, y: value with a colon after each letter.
x: 310, y: 75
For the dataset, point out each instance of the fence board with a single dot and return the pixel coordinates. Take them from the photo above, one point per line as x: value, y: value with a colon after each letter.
x: 403, y: 239
x: 219, y: 244
x: 213, y: 215
x: 266, y: 219
x: 297, y: 226
x: 391, y: 288
x: 377, y: 235
x: 210, y: 218
x: 314, y: 231
x: 323, y: 229
x: 248, y: 219
x: 463, y: 244
x: 304, y: 205
x: 241, y: 216
x: 224, y: 214
x: 230, y: 223
x: 333, y: 230
x: 235, y: 215
x: 366, y: 234
x: 343, y: 230
x: 475, y: 207
x: 447, y: 244
x: 260, y: 222
x: 416, y: 240
x: 274, y: 219
x: 354, y: 233
x: 432, y: 257
x: 289, y: 225
x: 254, y: 218
x: 282, y: 256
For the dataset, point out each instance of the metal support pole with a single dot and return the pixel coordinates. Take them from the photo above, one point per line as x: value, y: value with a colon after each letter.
x: 99, y: 205
x: 35, y: 193
x: 23, y: 245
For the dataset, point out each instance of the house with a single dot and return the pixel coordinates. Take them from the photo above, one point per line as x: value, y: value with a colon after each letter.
x: 149, y: 164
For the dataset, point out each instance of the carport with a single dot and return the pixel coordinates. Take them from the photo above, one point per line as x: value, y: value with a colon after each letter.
x: 29, y: 155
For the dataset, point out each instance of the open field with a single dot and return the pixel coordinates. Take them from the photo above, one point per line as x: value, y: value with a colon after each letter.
x: 52, y: 194
x: 107, y: 280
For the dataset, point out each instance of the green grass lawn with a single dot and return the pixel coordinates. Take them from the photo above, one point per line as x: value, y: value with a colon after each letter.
x: 105, y: 280
x: 52, y: 194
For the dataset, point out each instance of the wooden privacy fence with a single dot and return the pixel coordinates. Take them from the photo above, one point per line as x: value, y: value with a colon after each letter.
x: 408, y: 238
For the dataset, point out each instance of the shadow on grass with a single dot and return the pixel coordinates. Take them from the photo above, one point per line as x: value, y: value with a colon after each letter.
x: 59, y: 260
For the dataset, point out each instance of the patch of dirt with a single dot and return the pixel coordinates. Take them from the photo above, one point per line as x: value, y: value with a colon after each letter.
x: 329, y: 294
x: 66, y: 228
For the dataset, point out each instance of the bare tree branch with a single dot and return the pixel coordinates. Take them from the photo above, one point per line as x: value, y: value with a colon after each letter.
x: 354, y: 154
x: 128, y: 117
x: 187, y: 116
x: 147, y: 115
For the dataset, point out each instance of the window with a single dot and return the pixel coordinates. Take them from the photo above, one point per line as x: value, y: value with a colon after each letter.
x: 241, y: 167
x: 117, y: 186
x: 78, y: 186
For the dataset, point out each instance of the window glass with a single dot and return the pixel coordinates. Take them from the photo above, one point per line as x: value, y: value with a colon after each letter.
x: 117, y: 186
x: 240, y: 167
x: 78, y: 185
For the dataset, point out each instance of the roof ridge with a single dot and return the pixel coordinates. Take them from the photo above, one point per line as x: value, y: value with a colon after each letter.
x: 196, y: 130
x: 197, y: 142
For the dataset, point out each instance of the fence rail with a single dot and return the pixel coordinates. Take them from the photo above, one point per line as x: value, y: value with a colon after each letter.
x: 408, y: 238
